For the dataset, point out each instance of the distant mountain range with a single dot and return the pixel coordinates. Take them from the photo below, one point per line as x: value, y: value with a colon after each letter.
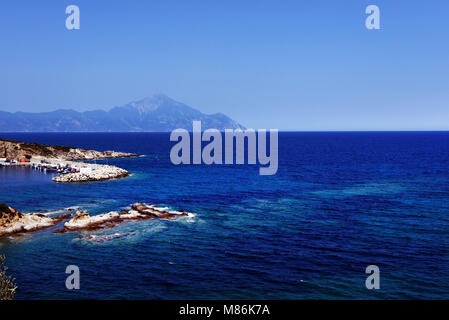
x: 157, y: 113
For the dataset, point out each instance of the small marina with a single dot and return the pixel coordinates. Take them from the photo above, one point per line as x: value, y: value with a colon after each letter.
x: 70, y: 171
x: 66, y: 161
x: 45, y: 166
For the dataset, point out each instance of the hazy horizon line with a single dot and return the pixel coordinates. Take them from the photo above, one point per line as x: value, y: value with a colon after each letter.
x: 281, y: 131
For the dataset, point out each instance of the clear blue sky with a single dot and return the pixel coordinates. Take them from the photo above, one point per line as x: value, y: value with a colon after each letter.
x: 291, y: 65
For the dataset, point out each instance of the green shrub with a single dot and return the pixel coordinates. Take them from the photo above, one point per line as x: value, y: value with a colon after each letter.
x: 36, y: 147
x: 7, y: 285
x: 62, y: 148
x: 4, y: 208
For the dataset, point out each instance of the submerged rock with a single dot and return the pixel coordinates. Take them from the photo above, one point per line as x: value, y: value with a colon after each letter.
x: 63, y: 230
x: 63, y: 217
x: 104, y: 238
x: 153, y: 211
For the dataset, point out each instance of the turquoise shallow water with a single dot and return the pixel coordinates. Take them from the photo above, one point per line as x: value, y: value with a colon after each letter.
x: 339, y: 202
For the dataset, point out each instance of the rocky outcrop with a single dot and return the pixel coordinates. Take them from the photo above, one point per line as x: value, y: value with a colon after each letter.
x: 155, y: 212
x: 139, y: 211
x: 98, y: 173
x: 83, y: 154
x: 83, y: 220
x: 12, y: 221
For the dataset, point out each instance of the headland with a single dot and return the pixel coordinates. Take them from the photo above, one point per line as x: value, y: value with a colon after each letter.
x: 67, y: 161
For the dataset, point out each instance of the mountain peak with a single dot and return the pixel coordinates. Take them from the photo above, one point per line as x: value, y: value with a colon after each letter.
x: 151, y: 103
x: 157, y: 112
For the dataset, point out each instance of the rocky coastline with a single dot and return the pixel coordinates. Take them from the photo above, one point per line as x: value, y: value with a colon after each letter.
x: 65, y: 160
x: 138, y: 211
x: 14, y: 222
x: 10, y: 149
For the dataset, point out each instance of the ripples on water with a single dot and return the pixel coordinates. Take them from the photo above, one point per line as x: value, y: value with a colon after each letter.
x: 339, y: 202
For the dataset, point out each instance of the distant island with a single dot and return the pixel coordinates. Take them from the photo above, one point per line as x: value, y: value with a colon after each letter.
x: 157, y: 113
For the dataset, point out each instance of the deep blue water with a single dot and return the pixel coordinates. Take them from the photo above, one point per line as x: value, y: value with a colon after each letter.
x: 339, y: 202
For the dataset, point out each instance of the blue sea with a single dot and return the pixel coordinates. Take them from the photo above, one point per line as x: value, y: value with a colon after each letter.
x: 338, y: 203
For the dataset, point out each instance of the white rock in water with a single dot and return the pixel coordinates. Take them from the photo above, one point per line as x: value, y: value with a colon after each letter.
x: 12, y: 221
x: 83, y: 220
x: 99, y: 173
x: 133, y: 214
